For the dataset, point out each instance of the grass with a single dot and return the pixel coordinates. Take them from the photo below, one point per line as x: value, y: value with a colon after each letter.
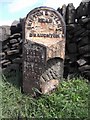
x: 70, y: 100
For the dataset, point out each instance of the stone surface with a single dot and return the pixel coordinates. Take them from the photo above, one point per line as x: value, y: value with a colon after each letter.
x: 44, y: 40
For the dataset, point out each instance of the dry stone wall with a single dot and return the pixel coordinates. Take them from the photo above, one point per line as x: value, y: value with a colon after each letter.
x: 11, y: 50
x: 77, y: 41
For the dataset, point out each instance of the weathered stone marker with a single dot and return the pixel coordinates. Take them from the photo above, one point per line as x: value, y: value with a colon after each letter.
x: 43, y: 47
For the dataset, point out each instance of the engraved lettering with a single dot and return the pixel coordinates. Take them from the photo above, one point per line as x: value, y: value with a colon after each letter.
x: 46, y: 13
x: 45, y: 35
x: 31, y: 18
x: 43, y: 20
x: 29, y: 24
x: 39, y: 13
x: 30, y: 35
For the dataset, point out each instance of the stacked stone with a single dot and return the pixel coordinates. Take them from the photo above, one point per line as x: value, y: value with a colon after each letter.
x: 83, y: 38
x: 11, y: 54
x: 71, y: 66
x: 77, y: 39
x: 4, y: 34
x: 71, y: 43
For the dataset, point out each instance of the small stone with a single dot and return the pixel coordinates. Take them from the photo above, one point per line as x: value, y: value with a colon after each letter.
x: 47, y: 87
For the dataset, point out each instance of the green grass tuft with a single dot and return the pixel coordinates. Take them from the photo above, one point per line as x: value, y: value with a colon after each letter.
x: 70, y: 100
